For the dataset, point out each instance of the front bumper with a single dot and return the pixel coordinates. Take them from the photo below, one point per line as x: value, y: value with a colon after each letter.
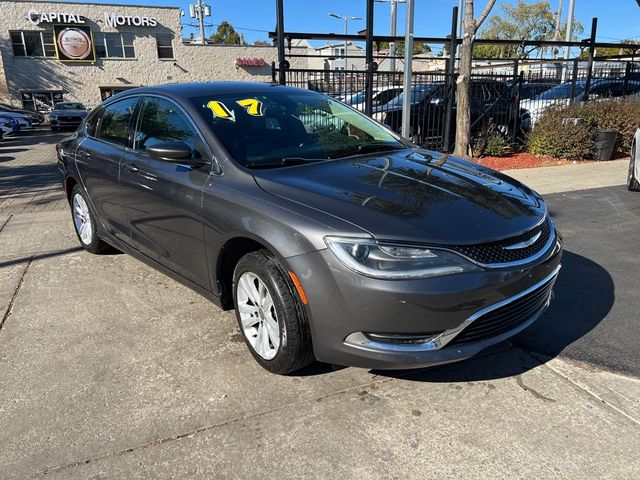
x: 62, y: 122
x: 344, y: 306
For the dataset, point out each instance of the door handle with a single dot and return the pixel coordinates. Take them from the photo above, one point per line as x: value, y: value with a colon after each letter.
x: 131, y: 167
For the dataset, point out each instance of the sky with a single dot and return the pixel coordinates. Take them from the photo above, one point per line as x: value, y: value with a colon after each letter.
x: 617, y: 19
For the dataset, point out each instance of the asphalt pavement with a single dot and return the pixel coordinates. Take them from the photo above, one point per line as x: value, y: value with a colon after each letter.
x: 595, y: 314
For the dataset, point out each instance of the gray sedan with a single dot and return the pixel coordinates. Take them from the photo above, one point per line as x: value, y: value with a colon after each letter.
x: 331, y: 237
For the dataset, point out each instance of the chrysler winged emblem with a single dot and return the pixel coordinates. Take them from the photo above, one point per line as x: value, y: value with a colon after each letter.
x: 525, y: 244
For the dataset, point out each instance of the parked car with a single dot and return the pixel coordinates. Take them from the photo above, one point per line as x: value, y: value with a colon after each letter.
x: 633, y: 177
x: 67, y: 115
x: 380, y: 96
x: 338, y: 241
x: 8, y: 126
x: 492, y: 102
x: 22, y: 120
x: 567, y: 93
x: 532, y: 89
x: 35, y: 118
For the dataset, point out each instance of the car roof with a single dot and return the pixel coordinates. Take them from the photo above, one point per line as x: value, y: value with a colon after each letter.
x: 197, y: 89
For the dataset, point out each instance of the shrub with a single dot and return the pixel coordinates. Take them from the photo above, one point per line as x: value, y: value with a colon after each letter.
x: 552, y: 135
x: 490, y: 142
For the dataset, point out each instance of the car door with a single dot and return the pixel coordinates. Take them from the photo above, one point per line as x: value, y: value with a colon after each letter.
x: 163, y: 199
x: 98, y: 156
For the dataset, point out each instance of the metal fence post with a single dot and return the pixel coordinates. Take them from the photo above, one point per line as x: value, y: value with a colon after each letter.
x: 574, y: 78
x: 368, y: 82
x: 627, y: 74
x: 518, y: 78
x: 592, y: 51
x: 282, y: 62
x: 451, y: 65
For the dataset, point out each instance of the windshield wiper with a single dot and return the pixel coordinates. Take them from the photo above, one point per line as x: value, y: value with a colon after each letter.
x: 371, y: 148
x: 284, y: 162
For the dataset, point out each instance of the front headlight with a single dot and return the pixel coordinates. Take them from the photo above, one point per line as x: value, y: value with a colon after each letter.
x: 394, y: 262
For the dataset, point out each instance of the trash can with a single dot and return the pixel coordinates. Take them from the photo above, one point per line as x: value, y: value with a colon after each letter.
x: 605, y: 141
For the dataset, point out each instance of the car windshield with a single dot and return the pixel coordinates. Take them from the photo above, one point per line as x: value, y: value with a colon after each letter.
x: 69, y: 106
x: 418, y: 93
x: 279, y: 128
x: 562, y: 91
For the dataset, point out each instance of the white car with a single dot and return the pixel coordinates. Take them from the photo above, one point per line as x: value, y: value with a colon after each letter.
x: 561, y: 95
x: 380, y: 96
x: 633, y: 177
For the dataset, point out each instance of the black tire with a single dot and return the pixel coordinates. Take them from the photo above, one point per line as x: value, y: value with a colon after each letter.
x: 632, y: 182
x: 295, y: 350
x: 95, y: 245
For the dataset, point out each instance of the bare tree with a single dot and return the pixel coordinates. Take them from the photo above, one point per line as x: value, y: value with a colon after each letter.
x: 463, y: 115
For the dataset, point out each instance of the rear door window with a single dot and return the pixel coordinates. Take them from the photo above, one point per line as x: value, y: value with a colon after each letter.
x: 113, y: 126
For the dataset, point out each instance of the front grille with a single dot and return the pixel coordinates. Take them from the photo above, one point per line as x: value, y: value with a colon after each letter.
x: 495, y: 252
x: 71, y: 119
x: 507, y: 317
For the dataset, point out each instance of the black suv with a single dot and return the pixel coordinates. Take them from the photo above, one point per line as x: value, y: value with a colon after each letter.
x: 493, y: 103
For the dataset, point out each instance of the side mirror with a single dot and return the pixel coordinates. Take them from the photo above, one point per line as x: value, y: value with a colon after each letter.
x: 170, y: 151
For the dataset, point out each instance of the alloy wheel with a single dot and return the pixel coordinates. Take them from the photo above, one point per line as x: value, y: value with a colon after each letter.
x: 258, y: 315
x: 82, y: 219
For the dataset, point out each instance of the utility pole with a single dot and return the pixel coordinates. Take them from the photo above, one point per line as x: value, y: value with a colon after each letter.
x: 408, y: 69
x: 567, y: 38
x: 200, y: 10
x: 394, y: 29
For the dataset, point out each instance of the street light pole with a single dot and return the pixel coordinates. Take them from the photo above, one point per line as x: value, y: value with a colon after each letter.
x: 567, y: 38
x: 346, y: 19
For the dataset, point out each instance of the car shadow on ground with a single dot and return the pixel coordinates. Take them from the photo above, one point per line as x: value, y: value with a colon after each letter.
x: 575, y: 311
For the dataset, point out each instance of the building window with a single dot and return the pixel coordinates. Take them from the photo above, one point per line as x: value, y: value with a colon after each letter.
x: 32, y: 43
x: 41, y: 101
x: 114, y: 45
x: 165, y: 46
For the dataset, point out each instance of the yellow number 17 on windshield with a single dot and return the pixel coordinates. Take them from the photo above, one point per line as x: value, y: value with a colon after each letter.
x: 220, y: 110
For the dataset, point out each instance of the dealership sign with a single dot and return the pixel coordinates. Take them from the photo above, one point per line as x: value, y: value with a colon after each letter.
x: 111, y: 19
x: 36, y: 17
x: 74, y: 43
x: 250, y: 62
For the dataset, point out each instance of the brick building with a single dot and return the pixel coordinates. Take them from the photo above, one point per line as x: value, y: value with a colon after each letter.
x: 54, y: 51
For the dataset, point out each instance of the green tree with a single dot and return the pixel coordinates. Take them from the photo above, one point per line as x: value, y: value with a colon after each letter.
x: 226, y: 35
x: 522, y: 21
x: 418, y: 48
x: 612, y: 52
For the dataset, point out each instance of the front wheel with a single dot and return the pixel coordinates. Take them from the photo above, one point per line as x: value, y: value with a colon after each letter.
x: 84, y: 222
x: 633, y: 182
x: 270, y: 314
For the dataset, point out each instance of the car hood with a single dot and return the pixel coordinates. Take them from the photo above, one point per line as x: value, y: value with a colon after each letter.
x: 412, y: 196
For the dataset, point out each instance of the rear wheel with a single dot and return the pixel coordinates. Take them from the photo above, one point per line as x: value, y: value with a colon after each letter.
x: 84, y: 222
x: 633, y: 182
x: 270, y: 315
